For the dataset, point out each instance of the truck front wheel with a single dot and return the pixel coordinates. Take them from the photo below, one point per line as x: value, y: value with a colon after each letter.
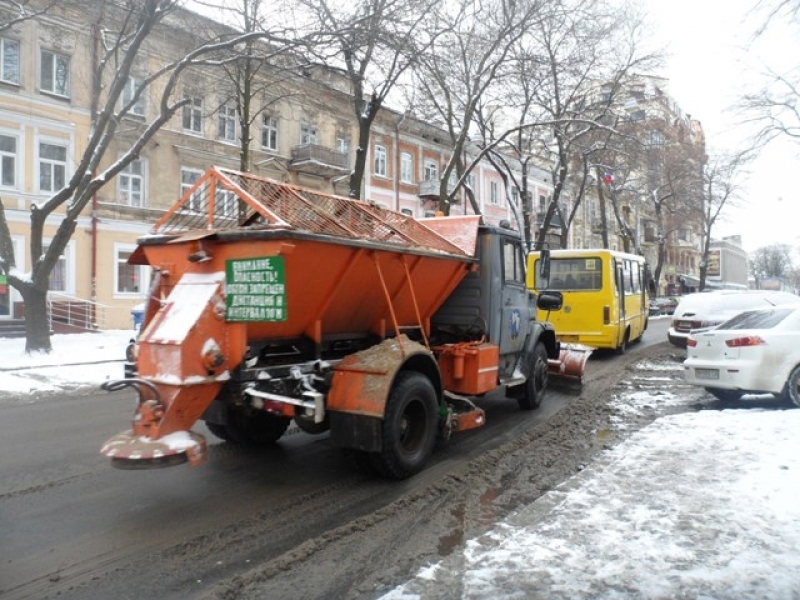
x: 409, y: 427
x: 536, y: 382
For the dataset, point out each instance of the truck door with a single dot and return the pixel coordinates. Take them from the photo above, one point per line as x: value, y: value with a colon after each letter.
x: 514, y: 296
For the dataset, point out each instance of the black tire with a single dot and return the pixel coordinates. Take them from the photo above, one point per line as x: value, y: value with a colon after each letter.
x: 791, y: 391
x: 219, y: 430
x: 724, y: 395
x: 256, y: 428
x: 308, y: 425
x: 536, y: 382
x: 623, y: 347
x: 408, y: 430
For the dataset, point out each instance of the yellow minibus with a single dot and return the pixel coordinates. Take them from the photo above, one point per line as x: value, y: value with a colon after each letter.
x: 606, y: 299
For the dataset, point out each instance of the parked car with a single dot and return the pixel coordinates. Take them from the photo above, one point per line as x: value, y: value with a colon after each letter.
x: 709, y: 309
x: 757, y: 351
x: 666, y: 304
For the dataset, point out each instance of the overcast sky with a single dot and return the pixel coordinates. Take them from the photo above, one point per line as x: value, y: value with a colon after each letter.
x: 712, y: 59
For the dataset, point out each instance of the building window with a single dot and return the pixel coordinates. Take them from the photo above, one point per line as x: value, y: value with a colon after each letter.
x: 226, y: 204
x: 494, y: 193
x: 470, y: 181
x: 131, y: 184
x: 430, y: 171
x: 55, y: 73
x: 52, y: 166
x: 407, y: 212
x: 193, y: 115
x: 128, y: 279
x: 133, y: 85
x: 308, y: 135
x: 188, y: 178
x: 380, y: 161
x: 9, y: 61
x: 406, y: 167
x: 227, y: 124
x: 61, y: 277
x: 515, y: 195
x: 343, y: 146
x: 269, y: 133
x: 655, y: 137
x: 8, y: 161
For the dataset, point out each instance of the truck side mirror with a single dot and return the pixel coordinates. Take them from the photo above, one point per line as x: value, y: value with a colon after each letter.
x: 550, y: 300
x: 544, y: 269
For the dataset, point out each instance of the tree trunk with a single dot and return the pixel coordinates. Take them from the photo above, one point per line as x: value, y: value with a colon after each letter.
x: 37, y: 324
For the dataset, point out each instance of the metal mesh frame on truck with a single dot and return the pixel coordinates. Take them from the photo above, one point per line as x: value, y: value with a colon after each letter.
x: 224, y: 199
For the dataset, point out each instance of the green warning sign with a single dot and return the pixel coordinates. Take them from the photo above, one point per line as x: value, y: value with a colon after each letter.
x: 255, y: 289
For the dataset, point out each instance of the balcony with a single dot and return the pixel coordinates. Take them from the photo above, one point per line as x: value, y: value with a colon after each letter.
x: 429, y: 190
x: 318, y: 160
x: 555, y: 222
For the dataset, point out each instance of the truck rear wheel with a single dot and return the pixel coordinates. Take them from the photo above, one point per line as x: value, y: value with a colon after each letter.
x: 255, y: 427
x: 536, y: 382
x: 409, y: 426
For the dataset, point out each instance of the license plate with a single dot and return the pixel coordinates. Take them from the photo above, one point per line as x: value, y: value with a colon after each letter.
x: 568, y: 338
x: 706, y: 373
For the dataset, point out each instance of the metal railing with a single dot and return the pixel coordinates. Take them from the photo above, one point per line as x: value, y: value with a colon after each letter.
x: 75, y: 312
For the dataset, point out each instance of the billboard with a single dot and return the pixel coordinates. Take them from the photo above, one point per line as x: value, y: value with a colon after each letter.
x: 713, y: 264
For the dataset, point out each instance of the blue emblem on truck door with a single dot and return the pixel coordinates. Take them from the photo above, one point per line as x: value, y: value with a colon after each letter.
x: 515, y: 324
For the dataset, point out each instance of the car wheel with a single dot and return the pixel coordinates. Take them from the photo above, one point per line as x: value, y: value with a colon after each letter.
x: 724, y: 395
x: 623, y: 347
x: 791, y: 391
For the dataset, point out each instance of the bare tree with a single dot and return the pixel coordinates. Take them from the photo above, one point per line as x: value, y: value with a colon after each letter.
x: 590, y: 53
x: 122, y: 32
x: 13, y: 13
x: 774, y: 110
x: 470, y: 56
x: 772, y: 261
x: 375, y: 42
x: 721, y: 188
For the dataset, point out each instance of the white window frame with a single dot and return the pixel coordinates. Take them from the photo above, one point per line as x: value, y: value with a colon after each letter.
x: 4, y: 156
x: 270, y: 133
x: 125, y: 179
x: 226, y: 204
x: 194, y: 201
x: 52, y: 164
x: 431, y: 170
x: 131, y: 85
x: 380, y: 161
x: 494, y: 193
x: 226, y: 123
x: 343, y: 145
x: 406, y: 167
x: 309, y: 135
x: 59, y: 61
x: 5, y: 44
x: 192, y: 115
x: 143, y: 272
x: 68, y: 258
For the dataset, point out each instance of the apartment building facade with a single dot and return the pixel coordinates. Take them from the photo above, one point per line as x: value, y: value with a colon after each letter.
x: 303, y: 135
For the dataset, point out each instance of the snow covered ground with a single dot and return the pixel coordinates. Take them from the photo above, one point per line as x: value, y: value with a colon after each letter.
x: 697, y: 505
x: 77, y: 360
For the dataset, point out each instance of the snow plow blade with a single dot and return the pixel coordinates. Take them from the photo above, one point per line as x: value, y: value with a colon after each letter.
x: 570, y: 365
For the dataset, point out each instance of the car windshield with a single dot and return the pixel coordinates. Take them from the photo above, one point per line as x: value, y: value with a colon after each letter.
x: 757, y: 319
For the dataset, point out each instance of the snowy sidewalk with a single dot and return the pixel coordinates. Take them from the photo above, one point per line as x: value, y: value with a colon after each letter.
x: 77, y: 360
x: 698, y: 505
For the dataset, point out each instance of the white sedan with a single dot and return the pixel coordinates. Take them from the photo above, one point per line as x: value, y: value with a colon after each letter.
x: 755, y: 352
